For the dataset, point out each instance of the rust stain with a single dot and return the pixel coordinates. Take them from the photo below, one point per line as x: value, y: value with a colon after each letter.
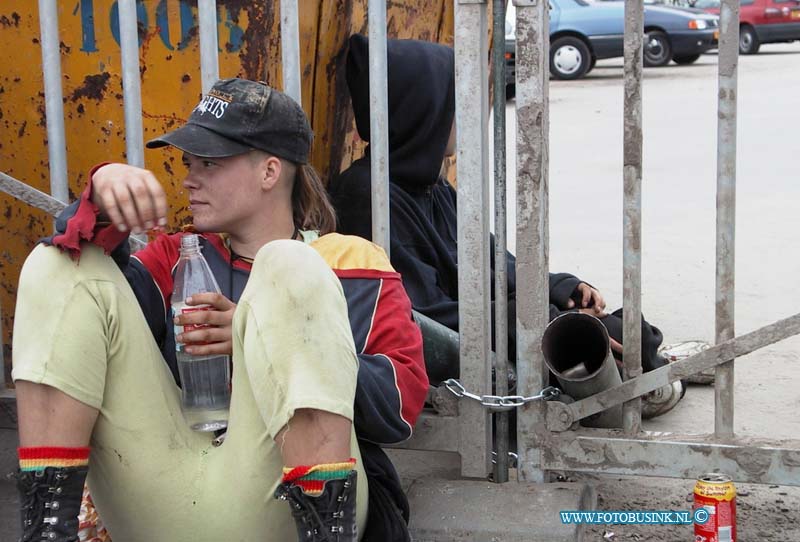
x: 94, y: 87
x: 5, y: 22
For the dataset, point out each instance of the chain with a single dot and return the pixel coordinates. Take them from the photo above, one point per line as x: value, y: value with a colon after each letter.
x: 500, y: 403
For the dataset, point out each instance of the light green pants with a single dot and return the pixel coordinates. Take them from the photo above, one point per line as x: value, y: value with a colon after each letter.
x: 79, y: 328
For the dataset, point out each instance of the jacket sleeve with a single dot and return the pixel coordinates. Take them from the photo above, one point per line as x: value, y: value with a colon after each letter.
x: 562, y: 287
x: 392, y: 382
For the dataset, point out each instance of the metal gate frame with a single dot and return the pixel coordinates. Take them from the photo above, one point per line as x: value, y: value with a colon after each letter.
x: 546, y: 441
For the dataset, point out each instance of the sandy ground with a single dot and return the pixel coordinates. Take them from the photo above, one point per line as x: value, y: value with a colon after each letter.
x: 678, y: 260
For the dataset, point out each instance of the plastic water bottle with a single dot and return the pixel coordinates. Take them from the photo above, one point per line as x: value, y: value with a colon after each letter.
x: 205, y: 380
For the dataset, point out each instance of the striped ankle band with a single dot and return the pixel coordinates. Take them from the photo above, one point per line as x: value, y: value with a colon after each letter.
x: 312, y: 478
x: 41, y: 457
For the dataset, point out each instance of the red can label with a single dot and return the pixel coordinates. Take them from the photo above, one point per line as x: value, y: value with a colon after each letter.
x: 716, y: 494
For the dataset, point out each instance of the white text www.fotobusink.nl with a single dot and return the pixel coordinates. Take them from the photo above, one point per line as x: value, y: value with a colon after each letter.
x: 635, y: 517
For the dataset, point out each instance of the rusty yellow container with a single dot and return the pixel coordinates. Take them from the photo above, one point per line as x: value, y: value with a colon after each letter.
x: 249, y: 46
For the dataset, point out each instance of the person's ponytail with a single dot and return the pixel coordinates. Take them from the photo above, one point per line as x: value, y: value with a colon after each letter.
x: 311, y: 207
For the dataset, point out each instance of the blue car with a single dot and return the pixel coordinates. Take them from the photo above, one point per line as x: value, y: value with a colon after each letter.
x: 582, y: 32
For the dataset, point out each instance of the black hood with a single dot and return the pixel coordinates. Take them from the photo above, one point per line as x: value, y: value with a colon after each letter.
x: 421, y: 81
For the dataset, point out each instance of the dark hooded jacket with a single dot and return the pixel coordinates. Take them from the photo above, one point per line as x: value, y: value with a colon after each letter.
x: 423, y: 238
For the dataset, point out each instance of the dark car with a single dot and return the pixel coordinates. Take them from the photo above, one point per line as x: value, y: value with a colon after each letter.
x: 762, y: 21
x: 582, y: 32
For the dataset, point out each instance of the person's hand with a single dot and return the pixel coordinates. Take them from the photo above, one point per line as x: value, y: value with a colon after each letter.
x: 616, y: 346
x: 210, y: 332
x: 130, y: 197
x: 591, y: 301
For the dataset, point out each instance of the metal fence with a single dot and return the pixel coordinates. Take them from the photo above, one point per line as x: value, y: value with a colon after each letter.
x: 545, y: 439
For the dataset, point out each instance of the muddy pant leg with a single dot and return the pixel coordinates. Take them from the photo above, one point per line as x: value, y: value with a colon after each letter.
x: 292, y: 332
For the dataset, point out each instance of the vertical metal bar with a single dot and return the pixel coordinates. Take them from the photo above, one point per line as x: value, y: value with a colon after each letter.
x: 632, y: 210
x: 379, y: 123
x: 209, y: 43
x: 472, y: 78
x: 500, y: 259
x: 53, y: 99
x: 3, y: 386
x: 533, y: 120
x: 726, y: 210
x: 131, y: 84
x: 290, y: 49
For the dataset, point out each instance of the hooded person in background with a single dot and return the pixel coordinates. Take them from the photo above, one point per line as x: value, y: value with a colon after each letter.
x: 423, y: 228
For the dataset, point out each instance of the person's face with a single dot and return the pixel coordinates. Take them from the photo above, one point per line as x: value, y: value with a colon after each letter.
x: 223, y: 192
x: 450, y: 150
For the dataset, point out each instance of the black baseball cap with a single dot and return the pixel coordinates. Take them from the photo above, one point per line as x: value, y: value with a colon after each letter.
x: 238, y: 115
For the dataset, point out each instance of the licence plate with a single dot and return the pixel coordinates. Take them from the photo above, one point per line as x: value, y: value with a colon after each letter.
x: 716, y: 34
x: 795, y: 14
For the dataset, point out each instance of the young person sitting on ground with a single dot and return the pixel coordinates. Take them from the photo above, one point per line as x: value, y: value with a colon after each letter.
x: 326, y: 358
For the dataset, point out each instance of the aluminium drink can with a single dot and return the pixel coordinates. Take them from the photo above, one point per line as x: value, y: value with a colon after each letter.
x: 715, y: 493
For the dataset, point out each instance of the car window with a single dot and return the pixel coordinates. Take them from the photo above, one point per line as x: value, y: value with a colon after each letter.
x: 706, y: 4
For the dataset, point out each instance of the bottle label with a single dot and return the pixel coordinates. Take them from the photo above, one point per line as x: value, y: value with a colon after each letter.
x: 183, y: 308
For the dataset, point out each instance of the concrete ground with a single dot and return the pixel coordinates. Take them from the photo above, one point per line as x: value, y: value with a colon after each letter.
x: 678, y: 259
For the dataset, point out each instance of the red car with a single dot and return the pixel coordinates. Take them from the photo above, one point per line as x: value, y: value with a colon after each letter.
x: 762, y: 21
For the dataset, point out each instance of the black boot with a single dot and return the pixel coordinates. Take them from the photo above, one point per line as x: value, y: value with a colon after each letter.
x: 50, y: 502
x: 331, y: 517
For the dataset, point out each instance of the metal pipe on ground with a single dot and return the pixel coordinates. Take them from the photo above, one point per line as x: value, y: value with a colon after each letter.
x: 577, y: 351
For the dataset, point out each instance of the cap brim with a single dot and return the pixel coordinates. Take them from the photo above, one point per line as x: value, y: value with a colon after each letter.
x: 199, y: 141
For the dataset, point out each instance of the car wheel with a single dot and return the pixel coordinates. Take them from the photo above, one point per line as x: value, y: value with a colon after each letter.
x: 748, y: 40
x: 511, y: 91
x: 569, y: 58
x: 592, y: 64
x: 687, y: 59
x: 657, y: 50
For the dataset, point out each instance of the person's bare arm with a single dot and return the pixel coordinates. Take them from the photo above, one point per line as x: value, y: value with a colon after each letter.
x: 130, y: 197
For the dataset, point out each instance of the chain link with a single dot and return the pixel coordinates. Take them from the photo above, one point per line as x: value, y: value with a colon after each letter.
x: 500, y: 403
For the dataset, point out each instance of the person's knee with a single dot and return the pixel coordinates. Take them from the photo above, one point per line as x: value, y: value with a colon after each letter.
x: 291, y: 259
x: 291, y: 271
